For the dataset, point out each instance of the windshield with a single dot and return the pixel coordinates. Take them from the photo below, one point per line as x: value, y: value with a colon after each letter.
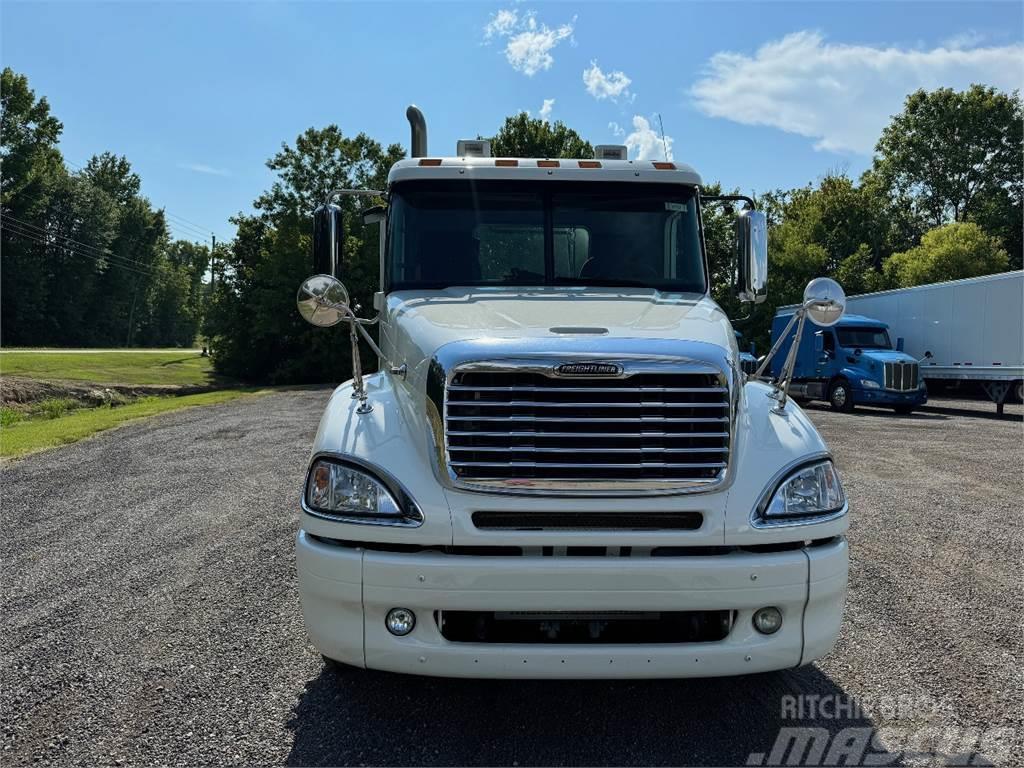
x: 463, y: 232
x: 864, y: 338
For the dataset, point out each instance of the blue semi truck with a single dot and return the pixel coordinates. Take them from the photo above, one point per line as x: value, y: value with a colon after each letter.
x: 851, y: 363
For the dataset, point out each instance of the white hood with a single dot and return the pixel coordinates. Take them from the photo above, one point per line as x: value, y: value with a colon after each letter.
x: 419, y: 322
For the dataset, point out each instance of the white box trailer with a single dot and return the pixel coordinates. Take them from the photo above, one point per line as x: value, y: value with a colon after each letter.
x: 962, y: 330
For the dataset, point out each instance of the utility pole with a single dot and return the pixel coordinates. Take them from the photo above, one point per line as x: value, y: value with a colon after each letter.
x: 208, y: 349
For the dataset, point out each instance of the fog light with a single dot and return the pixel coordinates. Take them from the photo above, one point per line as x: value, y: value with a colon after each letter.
x: 400, y: 621
x: 767, y: 620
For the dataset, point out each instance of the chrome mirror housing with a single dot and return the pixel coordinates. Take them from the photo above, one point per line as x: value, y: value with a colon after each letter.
x: 825, y: 301
x: 752, y: 251
x: 323, y: 301
x: 328, y: 239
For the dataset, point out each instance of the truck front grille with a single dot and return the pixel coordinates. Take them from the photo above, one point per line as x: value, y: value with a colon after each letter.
x: 513, y: 425
x: 901, y: 377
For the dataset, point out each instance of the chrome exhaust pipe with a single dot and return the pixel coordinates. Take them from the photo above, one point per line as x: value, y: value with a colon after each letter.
x: 418, y: 125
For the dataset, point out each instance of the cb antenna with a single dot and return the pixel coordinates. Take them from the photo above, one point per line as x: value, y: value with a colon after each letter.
x: 664, y: 143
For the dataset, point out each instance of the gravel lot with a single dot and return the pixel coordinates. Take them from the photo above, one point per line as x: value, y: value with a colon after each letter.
x: 150, y: 611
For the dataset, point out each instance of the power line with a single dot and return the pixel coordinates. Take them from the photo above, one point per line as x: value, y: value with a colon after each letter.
x: 103, y: 252
x: 185, y: 223
x: 81, y: 249
x: 77, y: 251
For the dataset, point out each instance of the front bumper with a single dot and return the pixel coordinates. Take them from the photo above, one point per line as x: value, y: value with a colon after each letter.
x: 347, y: 591
x: 887, y: 397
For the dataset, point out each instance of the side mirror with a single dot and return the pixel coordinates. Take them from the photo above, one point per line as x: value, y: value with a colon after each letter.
x: 328, y: 237
x: 752, y: 254
x: 899, y: 343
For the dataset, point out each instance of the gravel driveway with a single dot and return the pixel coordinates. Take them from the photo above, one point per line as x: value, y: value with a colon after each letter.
x: 150, y: 612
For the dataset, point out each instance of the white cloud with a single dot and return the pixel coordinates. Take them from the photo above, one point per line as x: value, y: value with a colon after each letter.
x: 209, y: 170
x: 545, y: 109
x: 841, y: 95
x: 968, y: 39
x: 502, y: 23
x: 606, y: 86
x: 616, y: 129
x: 528, y: 43
x: 644, y: 143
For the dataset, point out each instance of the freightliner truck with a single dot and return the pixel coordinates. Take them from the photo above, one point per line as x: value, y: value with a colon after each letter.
x: 852, y: 363
x: 559, y: 469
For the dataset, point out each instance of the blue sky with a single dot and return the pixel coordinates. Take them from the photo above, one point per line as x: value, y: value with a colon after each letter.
x: 757, y: 95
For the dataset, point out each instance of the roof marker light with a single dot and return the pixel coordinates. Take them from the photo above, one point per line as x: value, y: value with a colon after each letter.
x: 665, y: 166
x: 548, y: 164
x: 506, y: 163
x: 430, y: 161
x: 589, y: 164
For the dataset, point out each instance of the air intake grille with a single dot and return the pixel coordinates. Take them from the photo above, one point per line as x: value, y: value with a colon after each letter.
x: 901, y: 377
x: 527, y: 425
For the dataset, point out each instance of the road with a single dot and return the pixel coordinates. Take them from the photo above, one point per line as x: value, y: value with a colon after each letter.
x: 151, y: 616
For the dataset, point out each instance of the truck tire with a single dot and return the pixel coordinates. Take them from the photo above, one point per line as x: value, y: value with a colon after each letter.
x: 840, y: 396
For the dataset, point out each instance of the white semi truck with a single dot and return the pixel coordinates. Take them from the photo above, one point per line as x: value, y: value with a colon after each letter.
x: 560, y: 469
x: 963, y: 330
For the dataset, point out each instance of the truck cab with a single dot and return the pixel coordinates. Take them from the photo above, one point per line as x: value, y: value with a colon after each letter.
x: 559, y: 469
x: 851, y: 363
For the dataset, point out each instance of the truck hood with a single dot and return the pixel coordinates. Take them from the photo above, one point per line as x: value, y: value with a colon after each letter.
x: 419, y: 322
x: 886, y: 356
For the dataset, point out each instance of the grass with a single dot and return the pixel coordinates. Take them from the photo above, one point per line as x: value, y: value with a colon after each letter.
x: 111, y: 366
x: 24, y: 434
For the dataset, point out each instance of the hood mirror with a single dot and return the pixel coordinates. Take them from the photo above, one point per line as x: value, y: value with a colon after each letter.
x: 825, y: 301
x: 322, y: 300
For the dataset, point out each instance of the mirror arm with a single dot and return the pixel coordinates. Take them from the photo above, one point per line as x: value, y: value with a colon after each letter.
x: 775, y: 347
x: 352, y: 193
x: 781, y: 392
x: 729, y: 199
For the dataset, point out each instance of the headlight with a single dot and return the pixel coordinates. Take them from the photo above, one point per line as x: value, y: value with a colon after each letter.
x: 870, y: 384
x: 347, y: 492
x: 810, y: 491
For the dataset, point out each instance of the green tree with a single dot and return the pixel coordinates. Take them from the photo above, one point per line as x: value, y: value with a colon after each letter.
x: 951, y: 252
x: 32, y: 169
x: 523, y: 136
x: 950, y: 150
x: 256, y: 330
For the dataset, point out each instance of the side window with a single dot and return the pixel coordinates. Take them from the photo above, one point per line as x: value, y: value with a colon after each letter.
x: 828, y: 341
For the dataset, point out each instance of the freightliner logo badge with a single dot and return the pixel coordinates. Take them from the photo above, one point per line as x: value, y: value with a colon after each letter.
x: 588, y: 369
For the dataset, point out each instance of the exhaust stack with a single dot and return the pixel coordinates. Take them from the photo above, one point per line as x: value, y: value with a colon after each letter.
x: 418, y: 125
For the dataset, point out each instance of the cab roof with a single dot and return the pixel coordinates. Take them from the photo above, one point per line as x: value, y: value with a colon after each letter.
x: 517, y: 168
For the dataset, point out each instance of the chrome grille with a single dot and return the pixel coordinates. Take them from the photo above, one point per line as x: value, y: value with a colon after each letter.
x: 530, y: 426
x: 901, y: 377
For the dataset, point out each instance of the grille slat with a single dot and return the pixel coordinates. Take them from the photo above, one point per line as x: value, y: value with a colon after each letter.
x: 901, y: 376
x: 627, y: 390
x: 643, y: 426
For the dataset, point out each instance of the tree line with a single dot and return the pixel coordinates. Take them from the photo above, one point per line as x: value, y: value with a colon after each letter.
x: 942, y: 200
x: 85, y: 259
